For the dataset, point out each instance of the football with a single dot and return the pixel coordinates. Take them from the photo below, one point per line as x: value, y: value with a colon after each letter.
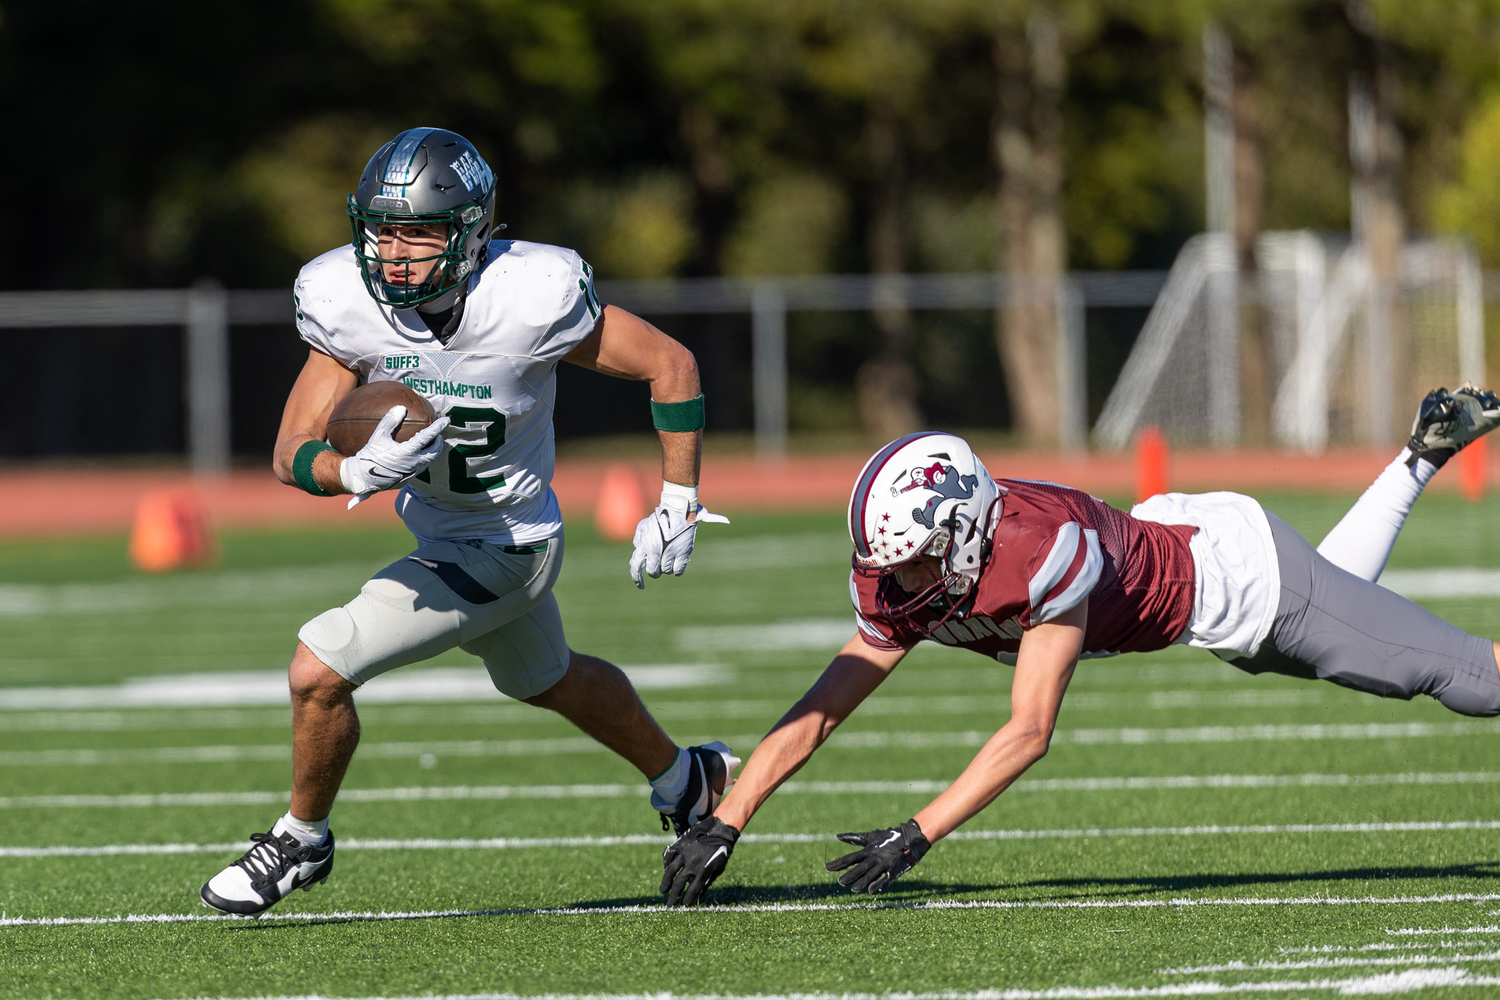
x: 354, y: 418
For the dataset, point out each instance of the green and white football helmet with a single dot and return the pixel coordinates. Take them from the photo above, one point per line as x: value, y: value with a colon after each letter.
x: 424, y: 176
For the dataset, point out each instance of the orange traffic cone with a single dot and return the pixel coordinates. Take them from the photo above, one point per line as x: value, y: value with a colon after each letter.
x: 622, y: 504
x: 171, y: 531
x: 1150, y: 464
x: 1473, y: 469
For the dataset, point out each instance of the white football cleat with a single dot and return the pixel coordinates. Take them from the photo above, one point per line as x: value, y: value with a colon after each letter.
x: 274, y: 866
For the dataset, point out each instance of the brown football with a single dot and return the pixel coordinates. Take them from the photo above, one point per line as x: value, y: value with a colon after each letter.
x: 354, y: 419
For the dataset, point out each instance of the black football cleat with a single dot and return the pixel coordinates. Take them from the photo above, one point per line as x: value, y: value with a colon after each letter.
x: 708, y: 780
x: 273, y: 867
x: 1447, y: 421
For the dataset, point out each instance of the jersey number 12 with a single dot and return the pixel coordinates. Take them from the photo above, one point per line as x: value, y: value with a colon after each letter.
x: 474, y: 420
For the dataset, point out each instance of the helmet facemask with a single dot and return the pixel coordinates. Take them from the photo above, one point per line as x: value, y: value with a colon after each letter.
x: 948, y: 594
x: 452, y: 262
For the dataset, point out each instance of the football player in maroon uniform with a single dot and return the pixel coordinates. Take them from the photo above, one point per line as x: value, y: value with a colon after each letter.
x: 1041, y: 575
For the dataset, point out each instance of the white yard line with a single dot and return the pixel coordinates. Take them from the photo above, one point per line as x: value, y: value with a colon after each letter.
x: 806, y: 633
x: 1257, y: 781
x: 658, y: 910
x: 1391, y: 983
x: 1450, y: 581
x: 1333, y: 963
x: 831, y: 633
x: 426, y: 793
x: 1212, y: 830
x: 1332, y: 949
x: 839, y: 741
x: 268, y: 687
x: 232, y: 753
x: 133, y: 596
x: 402, y: 704
x: 657, y: 840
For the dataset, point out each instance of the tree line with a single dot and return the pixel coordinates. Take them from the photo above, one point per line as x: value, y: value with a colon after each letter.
x: 747, y: 137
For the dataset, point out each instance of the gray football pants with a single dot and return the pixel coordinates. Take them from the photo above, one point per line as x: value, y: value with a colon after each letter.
x: 1331, y: 624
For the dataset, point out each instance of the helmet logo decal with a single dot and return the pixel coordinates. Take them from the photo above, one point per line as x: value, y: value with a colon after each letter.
x: 472, y: 171
x: 941, y: 479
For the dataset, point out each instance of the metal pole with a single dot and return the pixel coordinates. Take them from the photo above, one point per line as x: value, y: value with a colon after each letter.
x: 1364, y: 155
x: 1218, y: 129
x: 207, y: 376
x: 1222, y: 290
x: 1223, y: 265
x: 1470, y: 317
x: 1072, y: 379
x: 768, y: 350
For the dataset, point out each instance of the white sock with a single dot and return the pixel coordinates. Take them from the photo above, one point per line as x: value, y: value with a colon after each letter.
x: 1362, y: 541
x: 672, y: 782
x: 311, y: 832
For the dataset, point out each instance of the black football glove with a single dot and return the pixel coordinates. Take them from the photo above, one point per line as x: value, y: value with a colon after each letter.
x: 883, y: 856
x: 695, y: 859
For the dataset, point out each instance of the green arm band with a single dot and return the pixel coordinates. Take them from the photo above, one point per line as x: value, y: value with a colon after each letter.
x: 684, y: 416
x: 302, y: 464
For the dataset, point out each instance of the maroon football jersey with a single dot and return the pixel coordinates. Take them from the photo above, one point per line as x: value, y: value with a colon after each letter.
x: 1054, y: 547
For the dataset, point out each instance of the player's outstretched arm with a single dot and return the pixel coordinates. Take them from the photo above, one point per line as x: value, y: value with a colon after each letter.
x: 855, y: 672
x: 626, y: 346
x: 320, y: 386
x: 1044, y: 665
x: 700, y: 855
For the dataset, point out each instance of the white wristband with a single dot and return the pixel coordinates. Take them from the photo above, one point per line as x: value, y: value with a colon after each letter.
x: 680, y: 498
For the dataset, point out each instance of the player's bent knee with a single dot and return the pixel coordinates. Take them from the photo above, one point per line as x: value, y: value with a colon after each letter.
x: 528, y: 659
x: 543, y: 692
x: 310, y: 679
x: 550, y: 688
x: 1482, y: 701
x: 1473, y: 691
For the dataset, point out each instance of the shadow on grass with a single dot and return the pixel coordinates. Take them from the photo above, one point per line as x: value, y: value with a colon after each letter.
x: 916, y: 892
x: 1138, y: 885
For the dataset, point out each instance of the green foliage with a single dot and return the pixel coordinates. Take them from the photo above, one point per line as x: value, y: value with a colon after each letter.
x: 300, y: 182
x: 1471, y: 205
x: 708, y: 136
x: 647, y: 231
x: 954, y: 232
x: 789, y: 225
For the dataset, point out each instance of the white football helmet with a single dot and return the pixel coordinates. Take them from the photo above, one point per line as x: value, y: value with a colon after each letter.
x: 925, y: 494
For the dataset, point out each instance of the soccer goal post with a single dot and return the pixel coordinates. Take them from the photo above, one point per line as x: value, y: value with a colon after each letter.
x: 1331, y: 374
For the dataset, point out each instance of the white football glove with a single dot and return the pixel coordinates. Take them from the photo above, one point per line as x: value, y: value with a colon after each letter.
x: 664, y: 538
x: 385, y: 462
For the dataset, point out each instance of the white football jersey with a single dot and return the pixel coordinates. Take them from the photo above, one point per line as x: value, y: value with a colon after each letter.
x: 495, y: 379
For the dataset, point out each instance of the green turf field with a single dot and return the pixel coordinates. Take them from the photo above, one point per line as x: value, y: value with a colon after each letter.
x: 1194, y: 831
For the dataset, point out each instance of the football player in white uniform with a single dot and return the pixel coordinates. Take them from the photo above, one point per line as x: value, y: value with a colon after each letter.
x: 427, y: 295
